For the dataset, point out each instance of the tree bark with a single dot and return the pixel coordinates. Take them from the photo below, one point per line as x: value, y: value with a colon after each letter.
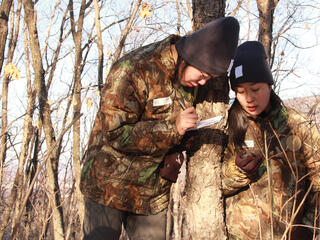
x: 27, y: 135
x: 44, y: 111
x: 4, y: 18
x: 76, y: 30
x: 206, y: 10
x: 201, y: 214
x: 14, y: 30
x: 266, y: 9
x: 100, y: 44
x: 203, y: 199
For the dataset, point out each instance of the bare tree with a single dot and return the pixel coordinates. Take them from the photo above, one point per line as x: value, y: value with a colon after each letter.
x: 39, y: 78
x: 28, y: 131
x: 14, y: 29
x: 77, y: 31
x: 4, y: 18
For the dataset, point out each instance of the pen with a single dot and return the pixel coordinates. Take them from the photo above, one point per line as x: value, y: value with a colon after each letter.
x: 182, y: 104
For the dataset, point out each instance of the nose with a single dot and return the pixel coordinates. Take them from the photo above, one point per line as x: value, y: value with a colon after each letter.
x: 202, y: 81
x: 249, y: 98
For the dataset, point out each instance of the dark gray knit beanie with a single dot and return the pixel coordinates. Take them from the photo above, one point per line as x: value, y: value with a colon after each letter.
x: 250, y: 65
x: 212, y: 47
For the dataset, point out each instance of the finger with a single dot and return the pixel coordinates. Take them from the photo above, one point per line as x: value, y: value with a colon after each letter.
x: 188, y: 113
x: 190, y: 110
x: 250, y: 166
x: 254, y: 169
x: 242, y: 162
x: 189, y: 119
x: 253, y: 166
x: 187, y: 124
x: 190, y: 125
x: 247, y: 160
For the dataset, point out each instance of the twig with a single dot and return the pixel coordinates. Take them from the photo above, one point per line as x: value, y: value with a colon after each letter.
x: 38, y: 171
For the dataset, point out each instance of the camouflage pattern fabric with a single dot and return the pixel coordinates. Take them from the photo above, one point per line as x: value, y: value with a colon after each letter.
x: 262, y: 206
x: 133, y: 130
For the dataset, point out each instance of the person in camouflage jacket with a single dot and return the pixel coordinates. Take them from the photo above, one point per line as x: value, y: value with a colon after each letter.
x: 145, y: 110
x: 271, y: 167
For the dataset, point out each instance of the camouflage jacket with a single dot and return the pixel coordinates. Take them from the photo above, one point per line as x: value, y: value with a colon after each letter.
x: 133, y: 130
x: 291, y: 148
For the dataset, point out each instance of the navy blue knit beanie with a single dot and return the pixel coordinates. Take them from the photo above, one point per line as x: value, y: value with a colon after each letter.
x: 212, y: 47
x: 250, y: 65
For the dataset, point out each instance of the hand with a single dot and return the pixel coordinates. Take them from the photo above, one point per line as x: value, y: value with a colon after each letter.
x: 171, y: 166
x: 248, y: 163
x: 186, y: 119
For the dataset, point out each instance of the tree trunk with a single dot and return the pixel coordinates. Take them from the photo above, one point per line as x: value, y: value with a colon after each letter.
x: 99, y: 43
x: 206, y: 10
x: 266, y: 10
x: 19, y: 175
x: 44, y: 111
x: 18, y: 182
x: 204, y: 200
x: 76, y: 29
x: 4, y: 18
x: 201, y: 213
x: 28, y: 132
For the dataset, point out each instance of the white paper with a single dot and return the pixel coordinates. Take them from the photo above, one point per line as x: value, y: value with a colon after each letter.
x: 207, y: 122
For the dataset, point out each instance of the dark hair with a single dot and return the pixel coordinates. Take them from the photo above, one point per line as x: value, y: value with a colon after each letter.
x: 180, y: 62
x: 238, y: 121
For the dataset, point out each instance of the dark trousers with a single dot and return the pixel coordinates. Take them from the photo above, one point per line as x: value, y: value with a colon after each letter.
x: 105, y: 223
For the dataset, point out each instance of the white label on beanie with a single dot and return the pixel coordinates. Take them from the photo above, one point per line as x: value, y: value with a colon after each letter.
x: 238, y: 71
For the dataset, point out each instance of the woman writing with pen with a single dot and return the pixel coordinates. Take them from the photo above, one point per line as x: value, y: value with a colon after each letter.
x: 146, y: 109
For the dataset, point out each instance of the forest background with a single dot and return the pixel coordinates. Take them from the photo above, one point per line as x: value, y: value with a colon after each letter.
x: 54, y: 58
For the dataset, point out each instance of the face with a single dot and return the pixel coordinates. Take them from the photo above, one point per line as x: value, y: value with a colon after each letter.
x: 253, y: 97
x: 192, y: 77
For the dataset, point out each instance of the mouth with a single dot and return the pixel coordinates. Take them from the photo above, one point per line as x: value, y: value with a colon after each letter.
x: 192, y: 84
x: 252, y: 108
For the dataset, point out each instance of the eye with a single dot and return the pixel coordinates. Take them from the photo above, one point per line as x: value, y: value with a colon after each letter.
x: 204, y: 76
x: 255, y: 89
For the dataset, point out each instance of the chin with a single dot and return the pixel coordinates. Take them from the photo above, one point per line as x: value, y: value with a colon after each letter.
x: 253, y: 114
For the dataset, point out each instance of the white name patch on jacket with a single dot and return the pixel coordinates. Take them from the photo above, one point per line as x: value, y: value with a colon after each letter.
x: 161, y: 101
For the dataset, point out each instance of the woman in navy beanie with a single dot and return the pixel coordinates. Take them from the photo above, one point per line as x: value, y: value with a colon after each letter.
x: 272, y: 158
